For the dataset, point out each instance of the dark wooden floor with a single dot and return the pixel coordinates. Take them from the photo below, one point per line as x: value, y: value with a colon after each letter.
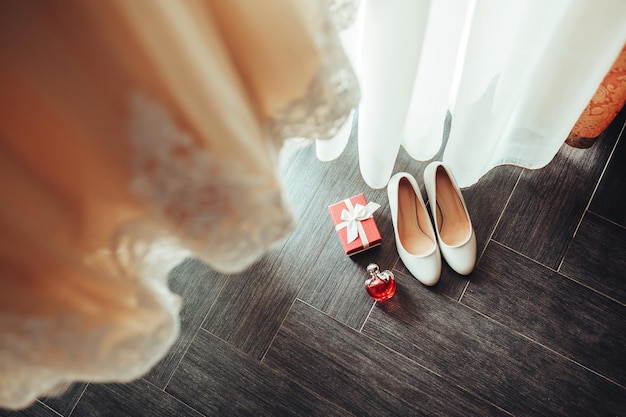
x: 539, y: 328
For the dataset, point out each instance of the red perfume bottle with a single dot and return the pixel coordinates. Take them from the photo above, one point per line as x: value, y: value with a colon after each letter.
x: 380, y: 285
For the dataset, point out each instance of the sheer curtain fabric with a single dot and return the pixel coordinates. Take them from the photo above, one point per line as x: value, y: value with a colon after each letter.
x: 515, y: 75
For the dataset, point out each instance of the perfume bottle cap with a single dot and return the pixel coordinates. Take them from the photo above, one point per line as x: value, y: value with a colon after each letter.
x: 372, y: 269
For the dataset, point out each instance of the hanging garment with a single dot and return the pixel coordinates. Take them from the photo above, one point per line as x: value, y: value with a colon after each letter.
x: 133, y: 134
x: 515, y: 76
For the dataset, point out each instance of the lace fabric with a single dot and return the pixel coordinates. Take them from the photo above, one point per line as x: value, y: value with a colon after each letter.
x: 332, y: 94
x: 228, y: 214
x: 343, y: 12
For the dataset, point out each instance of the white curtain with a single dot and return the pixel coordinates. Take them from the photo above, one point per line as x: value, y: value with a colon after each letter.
x: 515, y: 75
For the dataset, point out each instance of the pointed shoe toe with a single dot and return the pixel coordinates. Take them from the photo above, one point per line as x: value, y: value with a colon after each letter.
x: 415, y: 237
x: 453, y: 226
x: 461, y: 258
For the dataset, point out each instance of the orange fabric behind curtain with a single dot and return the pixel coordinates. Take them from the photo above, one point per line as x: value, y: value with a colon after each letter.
x: 605, y: 104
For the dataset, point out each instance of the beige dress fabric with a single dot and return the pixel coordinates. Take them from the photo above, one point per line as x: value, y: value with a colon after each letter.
x: 134, y: 134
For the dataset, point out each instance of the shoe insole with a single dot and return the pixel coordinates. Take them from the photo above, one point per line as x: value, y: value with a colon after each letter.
x: 414, y: 228
x: 454, y: 226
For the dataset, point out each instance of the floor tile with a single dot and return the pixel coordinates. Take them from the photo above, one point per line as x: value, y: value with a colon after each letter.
x: 64, y: 403
x: 486, y: 199
x: 219, y: 380
x: 551, y: 309
x: 609, y: 200
x: 339, y: 291
x: 36, y: 410
x: 547, y: 204
x: 198, y: 286
x: 360, y: 375
x: 486, y: 358
x: 137, y: 399
x: 597, y: 257
x: 253, y: 304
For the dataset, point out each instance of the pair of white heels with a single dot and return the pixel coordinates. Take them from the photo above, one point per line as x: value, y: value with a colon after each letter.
x: 417, y: 245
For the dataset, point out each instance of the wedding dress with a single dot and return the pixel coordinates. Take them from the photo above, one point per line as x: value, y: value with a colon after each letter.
x: 134, y: 134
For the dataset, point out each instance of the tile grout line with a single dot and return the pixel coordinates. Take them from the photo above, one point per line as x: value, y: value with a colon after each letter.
x: 443, y: 377
x: 559, y: 273
x: 48, y: 407
x: 490, y: 238
x: 371, y: 338
x: 607, y: 220
x: 269, y: 345
x: 237, y: 348
x: 367, y: 318
x: 169, y: 379
x: 499, y: 407
x: 80, y: 397
x: 545, y: 347
x: 170, y: 395
x: 526, y: 257
x: 590, y: 288
x: 285, y: 375
x: 595, y: 189
x: 194, y: 336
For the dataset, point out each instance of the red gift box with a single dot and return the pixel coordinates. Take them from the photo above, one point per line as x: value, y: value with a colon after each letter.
x: 355, y: 225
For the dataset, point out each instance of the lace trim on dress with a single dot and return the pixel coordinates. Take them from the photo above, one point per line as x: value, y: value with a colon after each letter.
x: 343, y: 12
x: 227, y: 213
x: 331, y: 95
x: 96, y: 345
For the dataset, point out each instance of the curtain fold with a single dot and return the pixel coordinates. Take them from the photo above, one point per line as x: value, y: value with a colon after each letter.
x: 515, y: 76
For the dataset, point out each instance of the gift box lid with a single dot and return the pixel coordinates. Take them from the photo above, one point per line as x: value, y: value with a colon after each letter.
x: 355, y: 225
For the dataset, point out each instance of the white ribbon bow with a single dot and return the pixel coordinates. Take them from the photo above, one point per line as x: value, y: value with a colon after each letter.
x: 352, y: 218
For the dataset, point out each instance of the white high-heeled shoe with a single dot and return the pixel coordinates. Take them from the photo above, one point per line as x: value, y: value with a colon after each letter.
x: 455, y: 233
x: 415, y: 236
